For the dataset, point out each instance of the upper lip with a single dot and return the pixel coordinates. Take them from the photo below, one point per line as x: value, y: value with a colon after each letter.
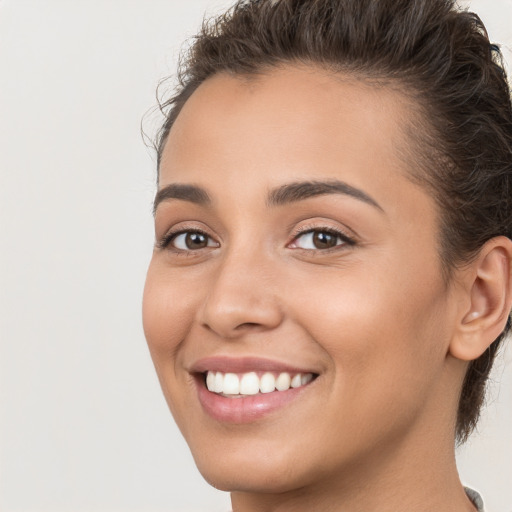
x: 226, y: 364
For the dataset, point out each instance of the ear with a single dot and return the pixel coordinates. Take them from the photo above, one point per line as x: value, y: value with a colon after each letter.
x: 487, y: 302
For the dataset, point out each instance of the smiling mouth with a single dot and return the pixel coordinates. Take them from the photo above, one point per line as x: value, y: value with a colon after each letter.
x: 246, y: 390
x: 239, y: 385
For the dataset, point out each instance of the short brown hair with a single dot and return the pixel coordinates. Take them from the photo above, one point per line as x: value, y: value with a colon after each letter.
x: 440, y: 55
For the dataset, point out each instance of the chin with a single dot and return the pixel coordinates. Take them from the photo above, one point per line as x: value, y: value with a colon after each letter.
x: 261, y: 471
x: 241, y: 472
x: 251, y: 478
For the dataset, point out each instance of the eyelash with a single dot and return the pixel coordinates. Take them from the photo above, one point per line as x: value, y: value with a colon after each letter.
x: 165, y: 242
x: 345, y: 239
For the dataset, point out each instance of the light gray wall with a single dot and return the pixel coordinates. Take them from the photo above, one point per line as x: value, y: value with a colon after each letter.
x: 83, y: 425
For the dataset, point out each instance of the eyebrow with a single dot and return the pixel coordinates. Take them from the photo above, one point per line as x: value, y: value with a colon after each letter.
x: 285, y: 194
x: 299, y: 191
x: 191, y: 193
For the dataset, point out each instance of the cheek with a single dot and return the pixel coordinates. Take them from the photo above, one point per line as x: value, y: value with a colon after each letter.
x: 167, y: 312
x: 385, y: 332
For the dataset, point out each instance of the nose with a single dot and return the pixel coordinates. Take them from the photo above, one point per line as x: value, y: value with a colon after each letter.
x: 241, y: 298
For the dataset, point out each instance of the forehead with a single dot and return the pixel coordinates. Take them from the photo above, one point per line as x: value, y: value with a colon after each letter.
x: 291, y: 124
x: 294, y: 109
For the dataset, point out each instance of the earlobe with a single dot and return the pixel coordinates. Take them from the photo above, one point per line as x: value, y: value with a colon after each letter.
x: 489, y: 293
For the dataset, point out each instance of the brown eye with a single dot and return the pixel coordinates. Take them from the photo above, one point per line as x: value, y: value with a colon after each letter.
x: 196, y: 240
x: 192, y: 241
x: 321, y: 239
x: 324, y: 240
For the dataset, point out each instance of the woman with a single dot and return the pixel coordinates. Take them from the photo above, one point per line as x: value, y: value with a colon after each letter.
x: 331, y: 278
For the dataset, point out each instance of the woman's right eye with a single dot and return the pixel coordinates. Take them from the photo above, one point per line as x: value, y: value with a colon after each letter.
x: 189, y: 241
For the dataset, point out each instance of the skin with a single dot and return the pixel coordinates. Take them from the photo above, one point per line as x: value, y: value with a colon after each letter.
x: 373, y: 318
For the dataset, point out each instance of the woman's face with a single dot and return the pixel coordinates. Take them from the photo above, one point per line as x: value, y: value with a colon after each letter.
x: 291, y: 242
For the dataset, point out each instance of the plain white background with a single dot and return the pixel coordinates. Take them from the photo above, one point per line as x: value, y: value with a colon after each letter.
x: 83, y: 424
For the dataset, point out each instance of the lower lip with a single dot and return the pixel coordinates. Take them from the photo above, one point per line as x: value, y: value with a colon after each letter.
x: 246, y: 409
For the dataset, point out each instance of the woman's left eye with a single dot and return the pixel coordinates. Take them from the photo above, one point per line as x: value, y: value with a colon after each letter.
x: 320, y: 239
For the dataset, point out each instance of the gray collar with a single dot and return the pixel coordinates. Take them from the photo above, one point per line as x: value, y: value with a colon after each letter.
x: 475, y: 498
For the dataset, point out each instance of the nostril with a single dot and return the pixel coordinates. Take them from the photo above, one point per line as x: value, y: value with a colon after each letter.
x: 249, y: 325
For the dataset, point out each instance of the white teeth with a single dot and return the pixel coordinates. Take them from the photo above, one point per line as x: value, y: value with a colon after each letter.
x: 250, y: 384
x: 296, y: 381
x: 219, y: 383
x: 306, y: 378
x: 210, y: 381
x: 283, y: 382
x: 267, y: 383
x: 247, y: 384
x: 231, y: 384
